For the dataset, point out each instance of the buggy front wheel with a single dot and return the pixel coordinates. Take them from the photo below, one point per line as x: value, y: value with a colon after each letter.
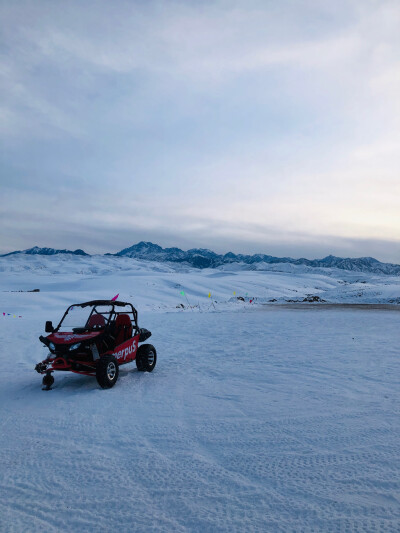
x: 146, y: 358
x: 107, y: 371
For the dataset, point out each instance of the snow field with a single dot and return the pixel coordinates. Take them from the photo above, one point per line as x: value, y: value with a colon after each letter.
x: 255, y: 419
x: 263, y: 420
x: 158, y: 286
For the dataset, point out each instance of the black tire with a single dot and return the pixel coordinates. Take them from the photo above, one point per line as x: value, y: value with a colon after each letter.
x: 107, y: 371
x: 146, y: 358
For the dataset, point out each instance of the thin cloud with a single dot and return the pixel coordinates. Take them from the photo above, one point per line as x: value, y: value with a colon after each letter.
x: 213, y: 122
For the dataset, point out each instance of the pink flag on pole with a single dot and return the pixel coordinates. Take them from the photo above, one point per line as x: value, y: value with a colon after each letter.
x: 115, y: 297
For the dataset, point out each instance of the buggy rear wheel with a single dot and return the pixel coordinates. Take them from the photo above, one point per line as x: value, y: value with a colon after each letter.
x: 107, y: 371
x: 146, y: 358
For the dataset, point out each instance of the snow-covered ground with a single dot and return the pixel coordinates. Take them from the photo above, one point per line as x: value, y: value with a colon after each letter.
x: 256, y: 418
x: 158, y: 286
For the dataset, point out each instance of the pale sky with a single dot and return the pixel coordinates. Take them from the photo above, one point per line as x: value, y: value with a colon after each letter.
x: 245, y: 126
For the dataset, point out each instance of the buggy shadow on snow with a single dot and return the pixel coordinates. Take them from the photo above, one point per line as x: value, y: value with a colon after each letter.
x: 104, y: 336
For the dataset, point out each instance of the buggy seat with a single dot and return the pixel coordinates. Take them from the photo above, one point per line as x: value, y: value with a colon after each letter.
x: 96, y: 322
x: 123, y: 329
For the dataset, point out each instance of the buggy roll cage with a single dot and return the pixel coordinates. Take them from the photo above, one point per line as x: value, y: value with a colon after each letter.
x: 111, y: 313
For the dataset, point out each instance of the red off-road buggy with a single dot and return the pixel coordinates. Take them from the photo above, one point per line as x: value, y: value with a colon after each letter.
x: 95, y: 338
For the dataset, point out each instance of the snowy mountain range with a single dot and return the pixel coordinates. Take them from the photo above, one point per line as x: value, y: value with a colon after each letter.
x: 45, y: 251
x: 204, y: 258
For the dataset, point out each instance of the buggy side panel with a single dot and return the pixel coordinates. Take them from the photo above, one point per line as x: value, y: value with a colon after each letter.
x: 126, y: 352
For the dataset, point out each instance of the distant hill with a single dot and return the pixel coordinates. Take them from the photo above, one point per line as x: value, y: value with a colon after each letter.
x: 203, y: 258
x: 45, y: 251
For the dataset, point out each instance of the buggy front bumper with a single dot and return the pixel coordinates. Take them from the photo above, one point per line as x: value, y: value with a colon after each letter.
x: 59, y: 363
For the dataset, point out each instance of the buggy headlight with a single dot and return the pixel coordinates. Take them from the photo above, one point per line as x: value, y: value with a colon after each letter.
x: 52, y: 347
x: 74, y: 346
